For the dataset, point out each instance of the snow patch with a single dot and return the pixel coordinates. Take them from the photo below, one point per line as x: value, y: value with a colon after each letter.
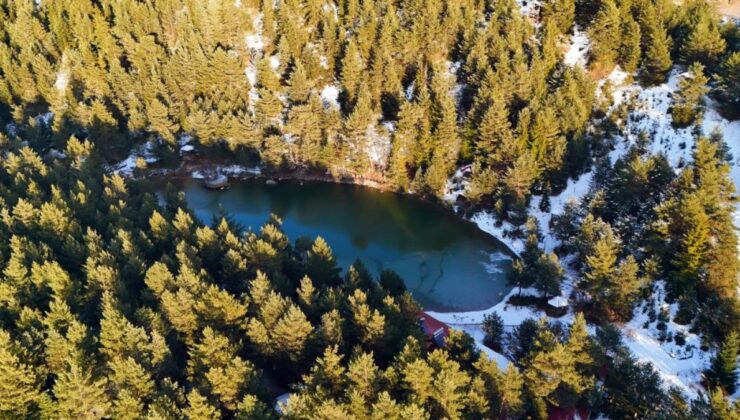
x: 45, y: 118
x: 254, y: 40
x: 127, y: 166
x: 679, y: 365
x: 651, y: 115
x: 558, y: 302
x: 275, y: 62
x: 61, y: 81
x: 578, y: 51
x: 530, y: 8
x: 330, y: 96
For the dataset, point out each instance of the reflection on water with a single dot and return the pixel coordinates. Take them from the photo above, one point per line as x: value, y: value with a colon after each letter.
x: 448, y: 264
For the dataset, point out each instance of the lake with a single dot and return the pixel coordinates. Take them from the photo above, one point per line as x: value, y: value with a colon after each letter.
x: 448, y: 264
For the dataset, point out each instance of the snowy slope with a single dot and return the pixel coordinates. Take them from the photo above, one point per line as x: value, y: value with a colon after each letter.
x: 679, y: 366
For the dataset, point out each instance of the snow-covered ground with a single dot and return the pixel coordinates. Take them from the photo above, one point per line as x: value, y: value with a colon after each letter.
x: 530, y: 8
x: 234, y: 171
x: 577, y: 54
x: 127, y: 166
x: 678, y: 365
x: 330, y: 96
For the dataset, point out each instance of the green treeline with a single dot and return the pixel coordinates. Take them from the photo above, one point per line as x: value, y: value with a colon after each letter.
x: 452, y: 79
x: 422, y: 85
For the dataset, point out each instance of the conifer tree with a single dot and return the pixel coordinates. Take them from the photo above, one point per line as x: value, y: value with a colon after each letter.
x: 551, y: 367
x: 445, y: 135
x: 199, y: 408
x: 19, y: 388
x: 493, y: 326
x: 656, y: 59
x: 629, y: 50
x: 402, y: 151
x: 728, y: 84
x: 724, y: 368
x: 79, y: 395
x: 522, y: 174
x: 535, y: 268
x: 321, y: 265
x: 298, y: 83
x: 704, y: 43
x: 579, y: 343
x: 603, y: 33
x: 689, y: 100
x: 159, y: 120
x: 495, y: 145
x: 352, y: 67
x: 693, y: 245
x: 561, y: 12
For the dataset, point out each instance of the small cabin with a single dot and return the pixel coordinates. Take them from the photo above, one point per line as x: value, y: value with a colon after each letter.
x: 435, y: 330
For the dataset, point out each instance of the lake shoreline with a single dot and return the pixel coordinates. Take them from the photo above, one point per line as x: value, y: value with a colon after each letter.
x: 188, y: 169
x: 447, y: 262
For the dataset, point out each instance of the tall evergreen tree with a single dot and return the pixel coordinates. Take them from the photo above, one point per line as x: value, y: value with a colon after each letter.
x: 656, y: 57
x: 19, y: 388
x: 604, y: 30
x: 724, y: 368
x: 689, y: 100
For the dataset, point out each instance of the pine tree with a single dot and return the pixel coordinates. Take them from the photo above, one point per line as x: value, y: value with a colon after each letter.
x: 601, y: 270
x: 547, y: 144
x: 704, y: 44
x: 493, y: 327
x: 719, y: 407
x: 724, y: 367
x: 523, y: 270
x: 159, y: 120
x: 299, y: 86
x: 199, y: 408
x: 693, y: 246
x: 561, y: 12
x: 522, y: 174
x: 402, y: 148
x: 19, y: 388
x: 689, y: 100
x: 446, y: 137
x: 550, y: 275
x: 327, y: 375
x: 656, y: 58
x: 292, y: 332
x: 352, y: 67
x: 603, y: 33
x: 79, y: 395
x: 629, y: 51
x: 321, y: 266
x: 728, y: 84
x: 552, y: 368
x: 580, y: 345
x: 363, y: 375
x: 495, y: 145
x: 304, y: 124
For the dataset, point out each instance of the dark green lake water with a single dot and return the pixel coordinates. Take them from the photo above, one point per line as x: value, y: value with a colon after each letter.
x: 448, y: 264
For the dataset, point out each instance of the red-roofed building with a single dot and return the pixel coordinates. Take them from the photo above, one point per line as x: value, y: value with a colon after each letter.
x: 435, y: 330
x: 559, y: 413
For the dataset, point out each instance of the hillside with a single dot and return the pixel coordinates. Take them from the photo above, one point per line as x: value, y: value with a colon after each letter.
x: 598, y: 140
